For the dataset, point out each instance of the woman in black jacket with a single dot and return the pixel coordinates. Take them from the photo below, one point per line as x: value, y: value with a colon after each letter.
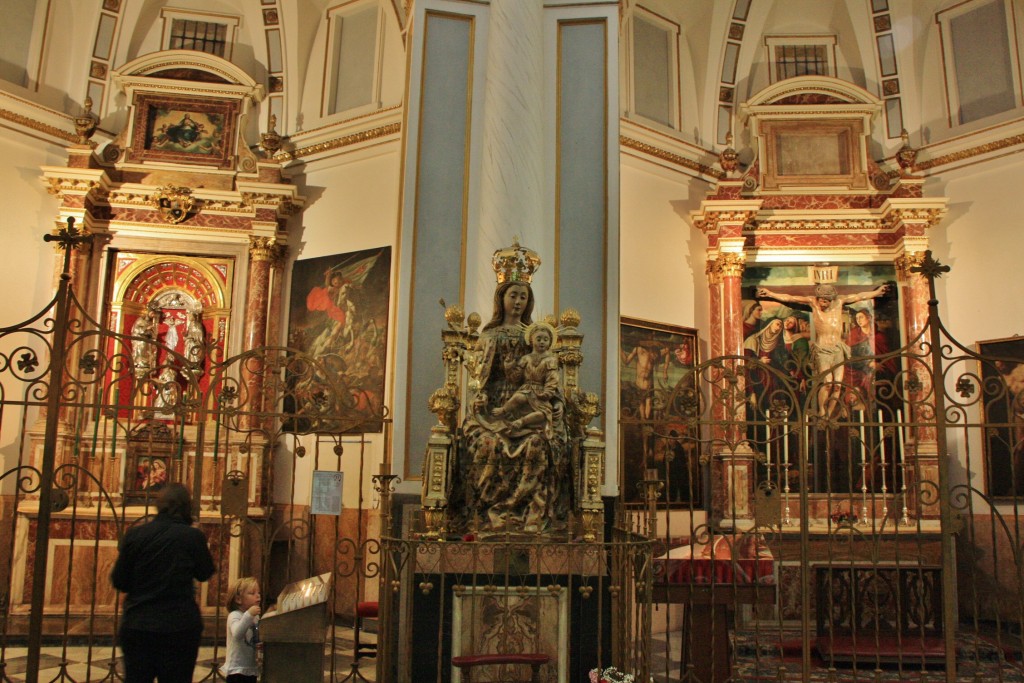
x: 156, y: 566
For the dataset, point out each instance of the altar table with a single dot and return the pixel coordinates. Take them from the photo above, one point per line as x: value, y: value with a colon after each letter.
x: 708, y: 579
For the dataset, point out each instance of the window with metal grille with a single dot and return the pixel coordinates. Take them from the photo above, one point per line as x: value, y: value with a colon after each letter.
x: 800, y: 60
x: 204, y: 36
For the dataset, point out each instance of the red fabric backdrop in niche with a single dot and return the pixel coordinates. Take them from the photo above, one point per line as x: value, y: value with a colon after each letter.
x: 159, y: 283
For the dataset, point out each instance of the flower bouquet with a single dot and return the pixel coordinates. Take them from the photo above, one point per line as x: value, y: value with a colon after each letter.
x: 610, y: 675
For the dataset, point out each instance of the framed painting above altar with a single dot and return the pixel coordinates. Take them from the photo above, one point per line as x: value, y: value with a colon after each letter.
x: 655, y: 360
x: 176, y: 129
x: 1002, y: 400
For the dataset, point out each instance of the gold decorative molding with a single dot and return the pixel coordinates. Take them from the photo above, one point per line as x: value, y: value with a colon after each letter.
x: 58, y: 186
x: 708, y: 219
x: 344, y: 141
x: 281, y: 203
x: 262, y: 248
x: 930, y: 216
x: 969, y: 153
x: 671, y: 157
x: 820, y: 225
x: 37, y: 126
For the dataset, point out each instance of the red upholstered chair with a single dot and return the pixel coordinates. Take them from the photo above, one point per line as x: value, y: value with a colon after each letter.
x: 364, y: 610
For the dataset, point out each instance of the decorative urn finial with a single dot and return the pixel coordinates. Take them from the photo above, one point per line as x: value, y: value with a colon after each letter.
x: 270, y: 142
x: 907, y: 155
x: 85, y: 124
x: 728, y: 159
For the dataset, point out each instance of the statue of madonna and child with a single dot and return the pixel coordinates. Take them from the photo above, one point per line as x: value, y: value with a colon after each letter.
x: 519, y: 450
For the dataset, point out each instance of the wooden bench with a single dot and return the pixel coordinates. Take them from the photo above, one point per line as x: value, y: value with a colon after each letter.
x: 465, y: 663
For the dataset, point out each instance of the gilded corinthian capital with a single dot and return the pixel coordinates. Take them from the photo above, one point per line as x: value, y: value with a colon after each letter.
x: 711, y: 270
x: 262, y: 248
x: 278, y: 255
x: 731, y: 264
x: 905, y: 262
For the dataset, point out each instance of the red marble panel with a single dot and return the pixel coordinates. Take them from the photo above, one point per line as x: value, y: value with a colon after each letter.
x: 79, y: 573
x: 153, y: 217
x: 820, y: 240
x: 72, y: 201
x: 822, y: 202
x: 915, y: 191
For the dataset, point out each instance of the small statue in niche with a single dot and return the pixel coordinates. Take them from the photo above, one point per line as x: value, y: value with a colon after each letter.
x: 144, y: 347
x: 195, y: 336
x: 167, y: 391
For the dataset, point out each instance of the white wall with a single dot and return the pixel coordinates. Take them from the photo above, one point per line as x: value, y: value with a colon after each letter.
x: 352, y: 205
x: 27, y: 263
x: 662, y: 256
x: 981, y: 239
x: 982, y: 297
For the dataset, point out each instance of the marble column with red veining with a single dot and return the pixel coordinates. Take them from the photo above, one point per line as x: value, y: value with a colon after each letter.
x: 731, y: 266
x: 715, y: 299
x: 921, y: 448
x: 734, y: 472
x: 277, y: 263
x: 261, y: 250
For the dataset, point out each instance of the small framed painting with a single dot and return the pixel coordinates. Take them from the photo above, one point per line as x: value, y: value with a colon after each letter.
x: 656, y: 361
x: 1002, y: 402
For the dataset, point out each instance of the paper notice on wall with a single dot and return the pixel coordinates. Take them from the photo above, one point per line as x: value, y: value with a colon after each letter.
x: 326, y: 495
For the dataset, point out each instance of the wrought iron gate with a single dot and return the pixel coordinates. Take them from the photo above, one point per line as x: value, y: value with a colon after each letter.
x: 836, y: 526
x: 844, y: 530
x: 97, y: 422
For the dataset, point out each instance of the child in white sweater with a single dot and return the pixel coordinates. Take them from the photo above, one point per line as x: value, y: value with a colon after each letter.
x: 244, y: 605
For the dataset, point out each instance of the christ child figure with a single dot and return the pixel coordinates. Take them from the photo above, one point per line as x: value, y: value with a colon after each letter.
x: 537, y: 403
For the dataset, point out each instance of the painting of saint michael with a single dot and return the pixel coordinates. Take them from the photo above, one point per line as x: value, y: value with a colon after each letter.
x: 338, y: 313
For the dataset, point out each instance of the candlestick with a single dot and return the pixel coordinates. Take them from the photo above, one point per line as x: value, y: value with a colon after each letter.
x: 881, y: 440
x: 905, y: 513
x: 768, y: 448
x: 881, y: 455
x: 863, y: 470
x: 786, y: 521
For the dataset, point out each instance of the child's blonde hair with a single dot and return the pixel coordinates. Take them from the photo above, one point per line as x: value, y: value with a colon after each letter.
x: 237, y: 588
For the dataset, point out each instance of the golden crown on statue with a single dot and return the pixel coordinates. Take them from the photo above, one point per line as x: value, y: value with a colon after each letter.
x: 515, y: 263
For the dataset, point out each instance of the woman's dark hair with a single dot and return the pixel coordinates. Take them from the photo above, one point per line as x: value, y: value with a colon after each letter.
x: 499, y: 304
x: 175, y: 500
